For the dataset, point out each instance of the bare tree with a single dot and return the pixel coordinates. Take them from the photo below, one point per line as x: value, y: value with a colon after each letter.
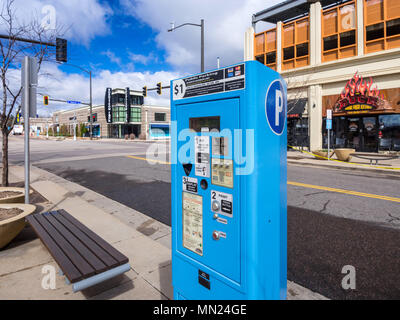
x: 12, y: 52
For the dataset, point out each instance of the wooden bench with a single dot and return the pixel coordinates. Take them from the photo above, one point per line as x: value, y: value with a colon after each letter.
x: 83, y: 257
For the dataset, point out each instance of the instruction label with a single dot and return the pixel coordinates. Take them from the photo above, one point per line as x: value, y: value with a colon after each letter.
x: 202, y: 156
x: 222, y: 80
x: 192, y: 215
x: 189, y: 184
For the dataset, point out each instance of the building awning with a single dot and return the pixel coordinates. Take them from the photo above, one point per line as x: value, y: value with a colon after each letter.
x: 296, y: 107
x: 159, y: 125
x: 288, y: 10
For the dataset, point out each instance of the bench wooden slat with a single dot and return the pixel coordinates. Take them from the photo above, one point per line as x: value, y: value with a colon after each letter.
x: 72, y: 273
x: 122, y: 259
x: 80, y: 263
x: 83, y: 251
x: 104, y: 256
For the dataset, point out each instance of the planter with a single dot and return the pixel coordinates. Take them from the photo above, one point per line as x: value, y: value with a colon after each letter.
x: 344, y: 154
x: 11, y: 227
x: 17, y: 198
x: 321, y: 154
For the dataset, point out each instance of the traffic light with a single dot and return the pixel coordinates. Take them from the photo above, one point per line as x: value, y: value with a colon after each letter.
x: 61, y: 50
x: 159, y: 87
x: 18, y: 118
x: 144, y: 91
x: 46, y: 100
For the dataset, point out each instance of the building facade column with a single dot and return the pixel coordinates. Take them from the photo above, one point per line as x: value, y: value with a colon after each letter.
x: 315, y: 33
x: 360, y: 27
x: 279, y: 46
x: 248, y: 44
x: 315, y: 116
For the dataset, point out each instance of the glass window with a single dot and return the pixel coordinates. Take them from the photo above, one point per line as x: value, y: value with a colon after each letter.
x: 393, y: 28
x: 119, y: 114
x: 288, y: 53
x: 212, y: 123
x: 265, y: 48
x: 302, y: 50
x: 137, y: 100
x: 348, y: 17
x: 389, y: 131
x: 136, y: 115
x: 339, y: 32
x: 382, y: 25
x: 260, y: 59
x: 348, y: 38
x: 330, y: 43
x: 375, y: 31
x: 271, y: 57
x: 158, y: 116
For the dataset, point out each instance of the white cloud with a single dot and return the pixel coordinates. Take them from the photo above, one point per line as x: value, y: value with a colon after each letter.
x: 225, y: 24
x: 82, y: 20
x: 63, y: 86
x: 140, y: 58
x: 111, y: 55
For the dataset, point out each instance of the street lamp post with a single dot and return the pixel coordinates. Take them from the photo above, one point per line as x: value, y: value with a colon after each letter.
x: 201, y: 25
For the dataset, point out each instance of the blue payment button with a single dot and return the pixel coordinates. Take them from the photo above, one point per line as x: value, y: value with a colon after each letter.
x: 276, y: 106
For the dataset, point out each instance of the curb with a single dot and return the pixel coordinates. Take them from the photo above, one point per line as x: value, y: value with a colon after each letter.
x: 387, y: 171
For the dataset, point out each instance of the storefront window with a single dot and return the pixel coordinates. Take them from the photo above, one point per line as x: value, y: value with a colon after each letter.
x: 298, y: 132
x: 389, y: 132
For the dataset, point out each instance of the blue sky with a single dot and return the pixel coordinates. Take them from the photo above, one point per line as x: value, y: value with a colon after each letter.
x: 126, y: 43
x: 114, y: 50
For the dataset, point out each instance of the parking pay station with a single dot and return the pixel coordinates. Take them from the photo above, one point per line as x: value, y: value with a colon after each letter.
x: 228, y: 156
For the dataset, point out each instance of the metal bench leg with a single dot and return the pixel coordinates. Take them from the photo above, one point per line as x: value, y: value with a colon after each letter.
x: 98, y: 278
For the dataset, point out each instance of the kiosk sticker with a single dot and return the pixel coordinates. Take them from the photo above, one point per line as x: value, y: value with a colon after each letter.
x: 192, y: 222
x: 189, y: 184
x: 202, y: 156
x: 222, y: 80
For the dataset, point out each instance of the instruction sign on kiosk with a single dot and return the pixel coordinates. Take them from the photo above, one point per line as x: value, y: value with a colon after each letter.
x: 228, y: 184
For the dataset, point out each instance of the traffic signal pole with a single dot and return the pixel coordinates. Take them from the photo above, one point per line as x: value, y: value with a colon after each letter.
x: 91, y: 114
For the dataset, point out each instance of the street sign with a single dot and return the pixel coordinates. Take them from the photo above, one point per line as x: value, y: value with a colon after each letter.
x: 31, y: 83
x: 328, y: 124
x: 73, y: 102
x: 275, y: 106
x: 329, y: 114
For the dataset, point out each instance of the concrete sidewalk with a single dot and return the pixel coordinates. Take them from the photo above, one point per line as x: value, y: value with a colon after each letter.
x: 144, y: 240
x: 356, y: 164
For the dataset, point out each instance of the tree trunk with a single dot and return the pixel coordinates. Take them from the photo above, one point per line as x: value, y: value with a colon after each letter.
x: 5, y: 158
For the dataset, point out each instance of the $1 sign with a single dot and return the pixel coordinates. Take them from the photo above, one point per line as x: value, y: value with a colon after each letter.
x: 179, y: 89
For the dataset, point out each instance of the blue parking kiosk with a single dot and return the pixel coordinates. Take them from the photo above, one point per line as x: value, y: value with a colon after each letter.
x: 228, y: 180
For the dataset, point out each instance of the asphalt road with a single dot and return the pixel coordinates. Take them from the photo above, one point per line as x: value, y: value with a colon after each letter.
x: 326, y: 230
